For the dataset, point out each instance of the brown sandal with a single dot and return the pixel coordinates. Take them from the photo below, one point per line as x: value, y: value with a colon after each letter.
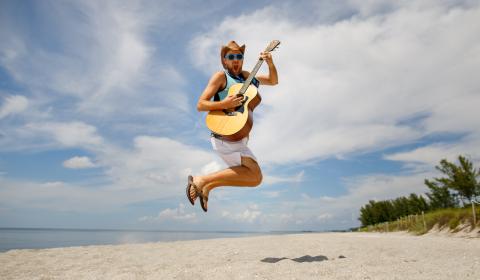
x: 189, y: 185
x: 202, y: 197
x: 198, y: 192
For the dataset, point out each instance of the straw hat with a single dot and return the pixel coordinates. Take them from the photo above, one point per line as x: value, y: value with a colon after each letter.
x: 231, y: 46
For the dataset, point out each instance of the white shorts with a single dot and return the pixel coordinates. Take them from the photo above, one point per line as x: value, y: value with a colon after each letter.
x: 232, y: 152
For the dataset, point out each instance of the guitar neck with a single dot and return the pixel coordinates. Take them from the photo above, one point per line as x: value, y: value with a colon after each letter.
x: 248, y: 81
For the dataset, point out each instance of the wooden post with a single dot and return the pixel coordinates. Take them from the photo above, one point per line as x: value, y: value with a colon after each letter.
x: 474, y: 215
x: 387, y: 226
x: 424, y: 223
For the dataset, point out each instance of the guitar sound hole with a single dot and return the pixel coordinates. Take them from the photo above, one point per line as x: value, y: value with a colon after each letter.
x: 241, y: 108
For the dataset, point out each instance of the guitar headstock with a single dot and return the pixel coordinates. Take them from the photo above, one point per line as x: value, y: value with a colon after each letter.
x: 272, y: 46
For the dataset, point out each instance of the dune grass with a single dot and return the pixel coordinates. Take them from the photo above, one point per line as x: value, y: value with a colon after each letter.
x: 418, y: 224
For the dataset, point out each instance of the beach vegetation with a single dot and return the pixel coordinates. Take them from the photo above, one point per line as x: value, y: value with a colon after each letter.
x: 450, y: 202
x: 452, y: 219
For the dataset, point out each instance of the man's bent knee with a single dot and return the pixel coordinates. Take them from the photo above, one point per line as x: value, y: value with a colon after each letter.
x: 259, y: 178
x: 256, y: 172
x: 256, y: 177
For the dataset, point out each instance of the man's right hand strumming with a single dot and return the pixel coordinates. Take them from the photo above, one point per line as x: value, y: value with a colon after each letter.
x: 232, y: 101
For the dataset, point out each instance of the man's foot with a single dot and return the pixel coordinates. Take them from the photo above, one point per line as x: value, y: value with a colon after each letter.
x: 200, y: 191
x: 204, y: 199
x: 191, y: 192
x: 195, y: 184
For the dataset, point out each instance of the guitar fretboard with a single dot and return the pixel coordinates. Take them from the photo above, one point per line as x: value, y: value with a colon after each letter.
x: 248, y: 81
x: 274, y: 44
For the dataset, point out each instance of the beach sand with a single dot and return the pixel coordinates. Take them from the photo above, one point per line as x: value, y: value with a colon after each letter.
x: 293, y: 256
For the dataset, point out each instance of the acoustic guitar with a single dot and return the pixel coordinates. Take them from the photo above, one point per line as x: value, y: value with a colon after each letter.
x: 235, y: 124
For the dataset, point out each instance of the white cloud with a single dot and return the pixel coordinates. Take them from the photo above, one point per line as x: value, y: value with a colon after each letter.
x: 326, y: 198
x: 355, y: 85
x: 13, y: 104
x: 324, y: 216
x: 249, y: 215
x: 178, y: 214
x: 78, y: 163
x: 324, y: 212
x: 157, y: 163
x: 381, y: 187
x: 154, y: 168
x: 424, y: 158
x: 246, y: 216
x: 59, y: 196
x: 104, y: 59
x: 124, y: 53
x: 211, y: 167
x: 67, y: 134
x: 272, y: 194
x: 270, y: 179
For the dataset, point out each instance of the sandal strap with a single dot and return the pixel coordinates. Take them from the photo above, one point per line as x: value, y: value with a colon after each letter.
x: 198, y: 192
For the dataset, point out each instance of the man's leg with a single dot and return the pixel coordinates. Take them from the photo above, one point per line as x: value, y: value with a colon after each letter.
x: 248, y: 174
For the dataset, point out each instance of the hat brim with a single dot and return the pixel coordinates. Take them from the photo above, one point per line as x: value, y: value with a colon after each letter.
x: 226, y: 49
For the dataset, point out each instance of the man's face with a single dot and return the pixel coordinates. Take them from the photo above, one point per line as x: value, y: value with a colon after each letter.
x: 234, y: 62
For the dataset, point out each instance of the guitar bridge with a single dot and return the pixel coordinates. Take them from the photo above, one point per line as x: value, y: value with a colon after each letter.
x: 230, y: 113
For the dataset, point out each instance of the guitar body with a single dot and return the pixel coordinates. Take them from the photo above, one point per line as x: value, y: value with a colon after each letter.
x: 235, y: 124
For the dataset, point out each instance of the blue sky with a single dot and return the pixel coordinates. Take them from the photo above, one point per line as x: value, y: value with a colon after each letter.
x: 98, y: 125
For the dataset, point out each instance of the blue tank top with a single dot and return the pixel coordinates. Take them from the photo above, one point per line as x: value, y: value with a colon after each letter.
x: 231, y: 80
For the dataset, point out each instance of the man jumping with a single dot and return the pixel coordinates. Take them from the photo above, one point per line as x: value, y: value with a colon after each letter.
x: 243, y: 169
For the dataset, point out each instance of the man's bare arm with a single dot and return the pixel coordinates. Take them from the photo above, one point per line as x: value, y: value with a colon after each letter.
x: 272, y: 78
x: 216, y: 83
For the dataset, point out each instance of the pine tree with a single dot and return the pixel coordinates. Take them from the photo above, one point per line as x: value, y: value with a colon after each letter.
x: 461, y: 178
x: 439, y: 196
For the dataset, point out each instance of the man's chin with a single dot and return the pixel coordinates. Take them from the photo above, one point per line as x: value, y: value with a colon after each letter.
x: 236, y: 70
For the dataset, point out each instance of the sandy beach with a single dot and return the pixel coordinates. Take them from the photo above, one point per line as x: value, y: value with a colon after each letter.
x: 295, y: 256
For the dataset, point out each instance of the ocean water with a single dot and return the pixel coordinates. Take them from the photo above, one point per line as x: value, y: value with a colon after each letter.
x: 32, y: 238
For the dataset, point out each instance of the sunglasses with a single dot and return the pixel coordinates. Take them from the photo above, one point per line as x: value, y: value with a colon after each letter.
x: 237, y: 56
